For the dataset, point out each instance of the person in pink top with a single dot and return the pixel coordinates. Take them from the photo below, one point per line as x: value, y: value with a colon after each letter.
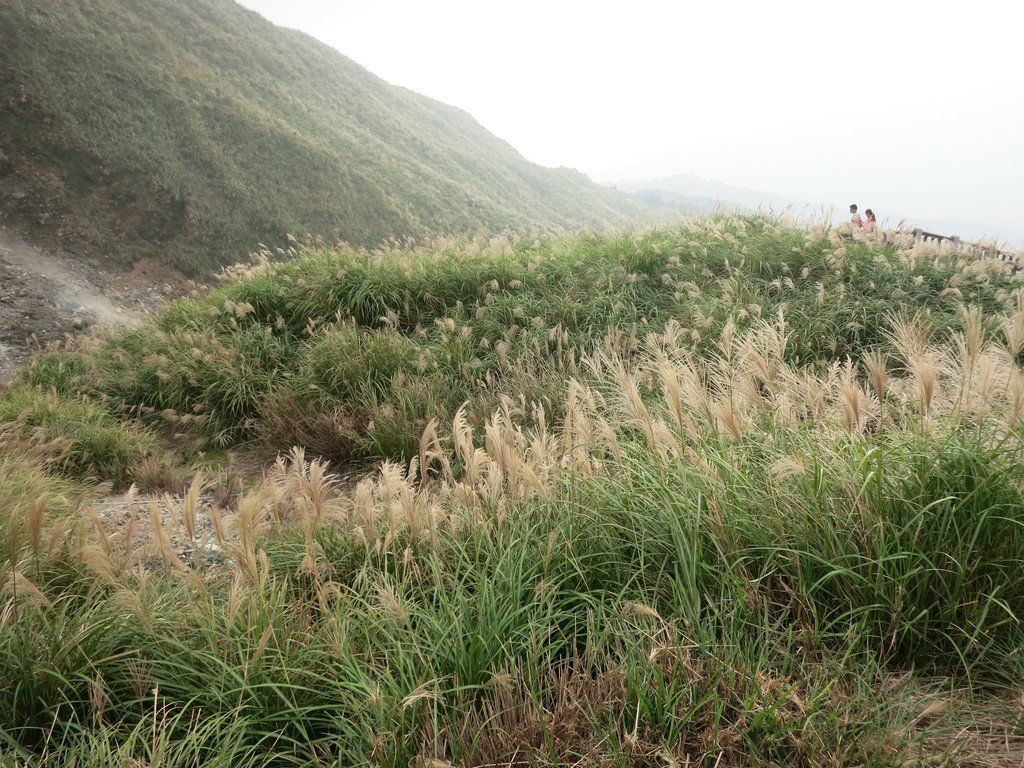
x: 869, y: 223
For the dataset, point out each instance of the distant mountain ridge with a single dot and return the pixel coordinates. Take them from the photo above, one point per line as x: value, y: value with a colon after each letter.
x: 691, y: 186
x: 693, y: 205
x: 191, y: 130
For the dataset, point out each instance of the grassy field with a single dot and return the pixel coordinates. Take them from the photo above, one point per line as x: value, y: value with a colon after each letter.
x: 739, y: 493
x: 192, y: 130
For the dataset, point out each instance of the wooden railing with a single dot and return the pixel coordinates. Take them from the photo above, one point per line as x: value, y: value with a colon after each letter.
x: 983, y: 251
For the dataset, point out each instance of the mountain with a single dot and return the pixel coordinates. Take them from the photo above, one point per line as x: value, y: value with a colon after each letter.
x: 191, y: 130
x: 693, y: 205
x: 689, y: 185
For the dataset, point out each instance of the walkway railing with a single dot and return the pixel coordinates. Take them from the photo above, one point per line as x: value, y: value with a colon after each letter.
x: 982, y: 250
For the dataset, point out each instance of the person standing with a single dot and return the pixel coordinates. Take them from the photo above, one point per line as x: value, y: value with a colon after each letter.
x: 855, y: 218
x: 869, y: 222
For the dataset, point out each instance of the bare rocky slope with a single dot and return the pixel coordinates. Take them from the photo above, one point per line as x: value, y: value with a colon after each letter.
x: 48, y: 297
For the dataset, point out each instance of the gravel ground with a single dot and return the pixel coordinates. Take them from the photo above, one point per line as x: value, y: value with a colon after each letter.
x: 46, y: 297
x: 129, y: 523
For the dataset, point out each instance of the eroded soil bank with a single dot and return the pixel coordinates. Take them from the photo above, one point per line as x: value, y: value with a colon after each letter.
x: 46, y: 297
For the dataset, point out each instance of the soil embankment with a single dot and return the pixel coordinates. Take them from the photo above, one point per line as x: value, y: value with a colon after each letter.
x: 45, y: 297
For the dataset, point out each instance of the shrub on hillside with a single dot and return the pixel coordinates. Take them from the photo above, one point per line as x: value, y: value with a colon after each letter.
x: 77, y: 438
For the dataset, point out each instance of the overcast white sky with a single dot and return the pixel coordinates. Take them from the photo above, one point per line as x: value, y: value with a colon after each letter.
x: 912, y: 108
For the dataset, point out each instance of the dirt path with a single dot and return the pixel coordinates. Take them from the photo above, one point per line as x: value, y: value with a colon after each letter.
x: 70, y: 288
x: 46, y: 296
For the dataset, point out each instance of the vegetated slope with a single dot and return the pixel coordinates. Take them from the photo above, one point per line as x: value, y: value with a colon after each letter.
x: 193, y: 129
x: 733, y: 494
x: 351, y: 353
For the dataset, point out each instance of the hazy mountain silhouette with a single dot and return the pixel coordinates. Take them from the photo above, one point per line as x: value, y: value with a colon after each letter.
x: 694, y: 186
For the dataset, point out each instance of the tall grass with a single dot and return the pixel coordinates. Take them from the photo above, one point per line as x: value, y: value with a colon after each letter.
x: 352, y: 353
x: 622, y: 619
x: 700, y: 536
x: 75, y: 438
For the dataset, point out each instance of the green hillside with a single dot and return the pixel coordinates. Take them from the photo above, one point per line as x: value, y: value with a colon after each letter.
x: 193, y: 129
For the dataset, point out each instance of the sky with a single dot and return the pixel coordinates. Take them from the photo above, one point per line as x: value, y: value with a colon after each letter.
x: 915, y: 109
